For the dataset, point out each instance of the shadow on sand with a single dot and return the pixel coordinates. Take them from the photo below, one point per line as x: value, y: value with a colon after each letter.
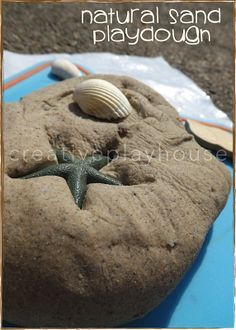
x: 160, y: 316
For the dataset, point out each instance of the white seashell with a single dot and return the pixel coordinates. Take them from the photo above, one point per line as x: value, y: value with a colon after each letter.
x: 65, y: 69
x: 101, y: 99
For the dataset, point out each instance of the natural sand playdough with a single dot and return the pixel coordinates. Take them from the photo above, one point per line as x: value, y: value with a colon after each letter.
x: 121, y: 254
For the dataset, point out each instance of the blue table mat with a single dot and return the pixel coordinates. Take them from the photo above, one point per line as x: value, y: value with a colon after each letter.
x: 205, y: 296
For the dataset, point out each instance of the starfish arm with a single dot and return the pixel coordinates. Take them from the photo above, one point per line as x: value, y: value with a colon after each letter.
x: 77, y: 173
x: 77, y: 182
x: 97, y: 161
x: 95, y: 176
x: 61, y: 170
x: 64, y: 157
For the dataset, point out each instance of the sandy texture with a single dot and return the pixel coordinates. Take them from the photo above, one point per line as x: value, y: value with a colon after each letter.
x: 56, y: 28
x: 120, y: 255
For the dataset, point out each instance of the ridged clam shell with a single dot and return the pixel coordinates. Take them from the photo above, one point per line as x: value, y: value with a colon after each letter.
x: 65, y: 69
x: 101, y: 99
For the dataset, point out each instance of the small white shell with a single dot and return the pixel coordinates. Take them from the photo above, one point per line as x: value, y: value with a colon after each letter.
x: 101, y: 99
x: 65, y: 69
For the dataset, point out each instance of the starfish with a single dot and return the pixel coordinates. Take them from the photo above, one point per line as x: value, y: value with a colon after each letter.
x: 77, y: 173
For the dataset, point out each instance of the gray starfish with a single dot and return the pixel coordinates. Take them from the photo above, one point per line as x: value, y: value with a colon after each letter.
x: 77, y: 173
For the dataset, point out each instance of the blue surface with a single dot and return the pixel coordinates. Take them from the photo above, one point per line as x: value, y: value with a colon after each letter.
x: 205, y: 296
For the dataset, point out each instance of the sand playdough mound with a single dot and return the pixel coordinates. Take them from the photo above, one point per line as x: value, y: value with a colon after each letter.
x: 118, y: 256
